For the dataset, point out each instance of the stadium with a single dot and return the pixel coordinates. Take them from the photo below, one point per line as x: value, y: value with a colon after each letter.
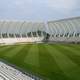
x: 40, y: 50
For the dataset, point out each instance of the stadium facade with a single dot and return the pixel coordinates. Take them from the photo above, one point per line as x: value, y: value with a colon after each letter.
x: 65, y: 30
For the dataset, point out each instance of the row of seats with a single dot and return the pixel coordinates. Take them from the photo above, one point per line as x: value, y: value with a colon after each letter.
x: 3, y: 77
x: 9, y: 73
x: 20, y: 40
x: 38, y: 39
x: 64, y: 39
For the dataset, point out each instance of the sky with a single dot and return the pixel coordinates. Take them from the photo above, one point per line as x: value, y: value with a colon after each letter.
x: 38, y: 10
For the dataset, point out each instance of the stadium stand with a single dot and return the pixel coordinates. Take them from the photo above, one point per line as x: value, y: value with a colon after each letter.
x: 65, y: 30
x: 7, y: 72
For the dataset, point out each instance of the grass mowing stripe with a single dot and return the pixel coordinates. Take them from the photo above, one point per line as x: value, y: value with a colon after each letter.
x: 32, y: 57
x: 4, y: 50
x: 74, y: 45
x: 75, y: 58
x: 71, y: 50
x: 13, y: 51
x: 51, y: 61
x: 18, y: 59
x: 65, y: 64
x: 46, y: 59
x: 48, y: 65
x: 20, y: 56
x: 77, y: 48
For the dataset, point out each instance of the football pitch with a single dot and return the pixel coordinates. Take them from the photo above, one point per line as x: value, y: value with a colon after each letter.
x: 48, y: 61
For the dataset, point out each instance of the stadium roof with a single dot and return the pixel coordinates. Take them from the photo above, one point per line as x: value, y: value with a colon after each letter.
x: 59, y: 26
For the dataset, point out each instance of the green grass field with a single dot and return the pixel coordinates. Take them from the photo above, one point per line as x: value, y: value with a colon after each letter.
x: 50, y: 61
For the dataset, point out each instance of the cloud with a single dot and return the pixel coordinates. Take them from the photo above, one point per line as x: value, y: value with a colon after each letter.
x: 66, y: 4
x: 39, y: 9
x: 62, y: 5
x: 22, y: 2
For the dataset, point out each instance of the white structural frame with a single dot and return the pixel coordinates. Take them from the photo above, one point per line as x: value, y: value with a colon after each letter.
x: 65, y: 30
